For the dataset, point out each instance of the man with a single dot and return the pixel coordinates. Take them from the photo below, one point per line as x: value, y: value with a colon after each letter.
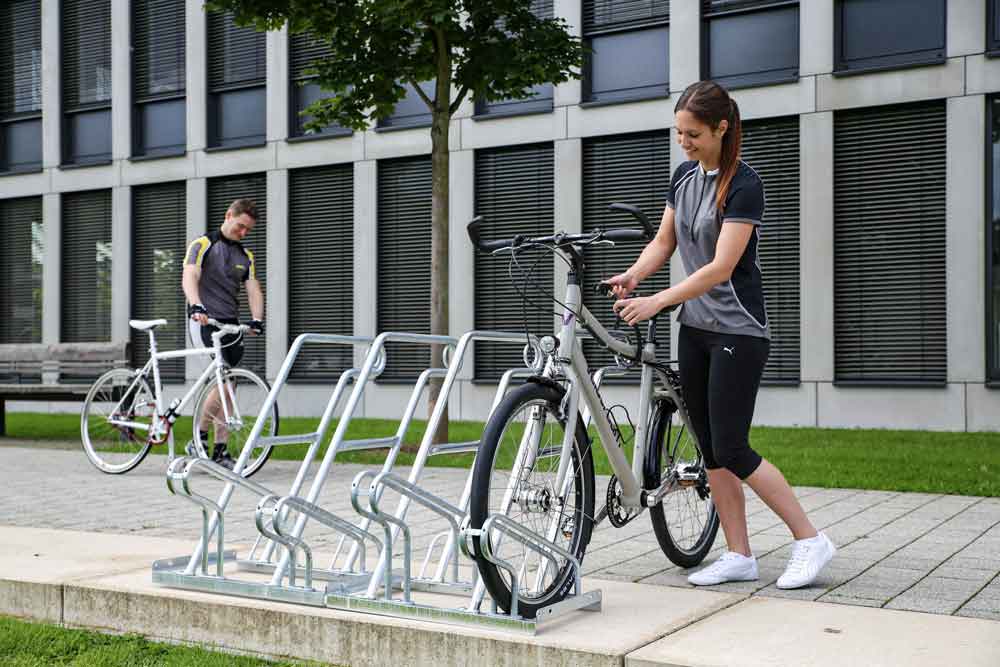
x: 214, y: 268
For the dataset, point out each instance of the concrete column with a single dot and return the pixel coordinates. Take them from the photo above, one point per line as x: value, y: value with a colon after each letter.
x: 965, y: 35
x: 461, y: 254
x: 51, y: 82
x: 365, y: 250
x: 52, y: 267
x: 121, y: 262
x: 685, y: 43
x: 966, y: 238
x: 276, y: 298
x: 121, y: 79
x: 816, y: 254
x: 197, y: 203
x: 815, y: 37
x: 197, y: 76
x: 278, y: 88
x: 570, y: 92
x: 568, y: 214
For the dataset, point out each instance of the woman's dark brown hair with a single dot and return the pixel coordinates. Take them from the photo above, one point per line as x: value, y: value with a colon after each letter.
x: 711, y: 104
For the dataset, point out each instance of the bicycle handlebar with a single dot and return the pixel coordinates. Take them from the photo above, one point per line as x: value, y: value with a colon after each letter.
x: 562, y: 239
x: 228, y: 328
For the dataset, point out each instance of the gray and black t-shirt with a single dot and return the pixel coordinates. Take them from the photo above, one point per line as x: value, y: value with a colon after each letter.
x: 225, y: 265
x: 736, y: 306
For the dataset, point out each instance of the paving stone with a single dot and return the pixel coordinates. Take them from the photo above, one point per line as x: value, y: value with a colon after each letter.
x: 941, y: 588
x: 989, y: 615
x: 906, y: 602
x: 844, y: 599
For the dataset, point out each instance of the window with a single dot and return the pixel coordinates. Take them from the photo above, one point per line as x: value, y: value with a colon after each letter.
x: 542, y: 94
x: 237, y: 84
x: 159, y: 214
x: 404, y: 262
x: 21, y: 284
x: 86, y: 266
x: 321, y: 267
x: 771, y: 148
x: 158, y: 77
x: 86, y: 81
x: 303, y: 49
x: 630, y: 45
x: 885, y: 34
x: 993, y: 27
x: 411, y: 111
x: 750, y: 42
x: 889, y: 245
x: 222, y: 192
x: 21, y: 86
x: 629, y: 169
x: 993, y: 244
x: 515, y: 192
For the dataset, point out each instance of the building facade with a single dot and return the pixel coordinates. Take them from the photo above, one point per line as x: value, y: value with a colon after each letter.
x: 127, y: 126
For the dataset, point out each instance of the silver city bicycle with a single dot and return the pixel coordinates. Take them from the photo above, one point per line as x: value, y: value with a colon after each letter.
x: 535, y: 463
x: 124, y: 414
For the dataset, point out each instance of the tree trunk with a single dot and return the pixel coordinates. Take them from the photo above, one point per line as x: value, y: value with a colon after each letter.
x: 439, y: 235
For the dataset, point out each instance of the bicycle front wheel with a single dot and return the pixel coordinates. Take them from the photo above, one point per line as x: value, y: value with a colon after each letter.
x: 245, y: 394
x: 516, y: 474
x: 685, y: 521
x: 115, y: 421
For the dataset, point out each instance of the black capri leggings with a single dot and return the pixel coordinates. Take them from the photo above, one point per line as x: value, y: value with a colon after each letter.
x: 720, y: 375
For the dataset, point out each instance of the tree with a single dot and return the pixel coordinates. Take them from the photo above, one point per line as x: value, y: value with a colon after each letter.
x: 489, y: 49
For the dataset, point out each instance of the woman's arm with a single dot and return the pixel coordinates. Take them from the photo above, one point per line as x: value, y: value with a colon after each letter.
x: 733, y: 239
x: 653, y: 257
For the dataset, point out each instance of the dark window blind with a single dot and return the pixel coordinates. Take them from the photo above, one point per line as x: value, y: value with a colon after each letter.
x: 86, y: 266
x: 771, y: 148
x: 321, y: 267
x: 21, y: 272
x: 515, y: 193
x: 237, y: 57
x: 158, y: 49
x: 889, y: 244
x: 159, y: 241
x: 303, y: 50
x: 20, y: 57
x: 750, y: 42
x: 404, y: 262
x: 610, y: 15
x: 870, y: 35
x: 993, y: 27
x: 86, y: 54
x: 222, y: 191
x: 631, y: 169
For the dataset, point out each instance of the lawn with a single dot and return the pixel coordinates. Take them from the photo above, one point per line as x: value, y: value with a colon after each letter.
x: 934, y: 462
x: 26, y: 644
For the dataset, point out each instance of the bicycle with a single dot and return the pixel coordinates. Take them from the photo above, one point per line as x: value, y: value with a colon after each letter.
x: 535, y: 463
x: 124, y: 416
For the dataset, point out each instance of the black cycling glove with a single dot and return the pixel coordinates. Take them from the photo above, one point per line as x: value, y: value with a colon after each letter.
x: 196, y: 309
x: 257, y: 326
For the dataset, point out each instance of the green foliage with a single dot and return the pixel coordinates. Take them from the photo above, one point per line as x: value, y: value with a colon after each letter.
x: 492, y: 49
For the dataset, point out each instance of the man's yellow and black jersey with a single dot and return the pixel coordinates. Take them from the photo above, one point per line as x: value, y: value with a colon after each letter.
x: 225, y: 265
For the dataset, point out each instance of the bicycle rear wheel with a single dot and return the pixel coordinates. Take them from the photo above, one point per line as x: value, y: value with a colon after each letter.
x: 115, y: 421
x: 249, y: 392
x: 685, y: 521
x: 526, y: 427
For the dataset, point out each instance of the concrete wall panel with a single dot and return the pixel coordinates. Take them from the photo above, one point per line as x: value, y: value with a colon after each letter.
x: 882, y: 407
x: 893, y: 87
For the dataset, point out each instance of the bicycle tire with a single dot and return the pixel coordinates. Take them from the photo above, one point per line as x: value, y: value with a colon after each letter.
x: 256, y: 460
x: 94, y: 424
x: 577, y: 519
x: 684, y: 550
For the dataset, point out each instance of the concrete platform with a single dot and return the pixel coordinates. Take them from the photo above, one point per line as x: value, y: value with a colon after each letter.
x: 767, y: 631
x: 102, y: 581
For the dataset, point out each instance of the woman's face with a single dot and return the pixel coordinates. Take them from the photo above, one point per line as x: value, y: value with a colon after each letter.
x: 699, y: 141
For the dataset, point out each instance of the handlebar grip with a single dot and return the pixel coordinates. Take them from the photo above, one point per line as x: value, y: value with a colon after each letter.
x: 473, y: 229
x: 625, y: 235
x: 638, y: 215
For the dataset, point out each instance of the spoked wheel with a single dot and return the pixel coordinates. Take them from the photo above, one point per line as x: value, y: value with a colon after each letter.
x: 685, y: 522
x: 245, y: 395
x: 515, y: 475
x: 115, y: 421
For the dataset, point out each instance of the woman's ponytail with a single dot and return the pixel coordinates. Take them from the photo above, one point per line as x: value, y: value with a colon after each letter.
x: 729, y: 161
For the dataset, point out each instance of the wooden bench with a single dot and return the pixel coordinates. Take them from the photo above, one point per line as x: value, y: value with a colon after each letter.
x: 56, y: 372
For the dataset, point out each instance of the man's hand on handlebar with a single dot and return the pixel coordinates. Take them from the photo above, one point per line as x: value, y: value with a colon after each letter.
x: 256, y: 327
x: 198, y: 313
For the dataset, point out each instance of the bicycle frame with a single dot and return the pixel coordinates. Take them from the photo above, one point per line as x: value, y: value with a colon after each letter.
x: 159, y: 412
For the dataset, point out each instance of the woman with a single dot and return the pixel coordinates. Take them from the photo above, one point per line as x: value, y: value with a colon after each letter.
x: 712, y: 217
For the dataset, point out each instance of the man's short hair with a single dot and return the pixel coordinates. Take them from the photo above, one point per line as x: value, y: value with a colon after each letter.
x: 244, y: 207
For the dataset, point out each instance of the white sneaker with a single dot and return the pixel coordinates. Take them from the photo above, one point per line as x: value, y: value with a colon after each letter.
x: 808, y: 558
x: 730, y: 566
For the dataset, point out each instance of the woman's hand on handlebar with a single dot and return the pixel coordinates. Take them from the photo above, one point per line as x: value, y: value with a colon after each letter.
x: 622, y: 284
x: 639, y: 309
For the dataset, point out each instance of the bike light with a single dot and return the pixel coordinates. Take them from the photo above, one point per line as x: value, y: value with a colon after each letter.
x: 548, y: 344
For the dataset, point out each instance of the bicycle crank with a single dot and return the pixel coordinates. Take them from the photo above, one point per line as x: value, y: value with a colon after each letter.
x: 617, y: 513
